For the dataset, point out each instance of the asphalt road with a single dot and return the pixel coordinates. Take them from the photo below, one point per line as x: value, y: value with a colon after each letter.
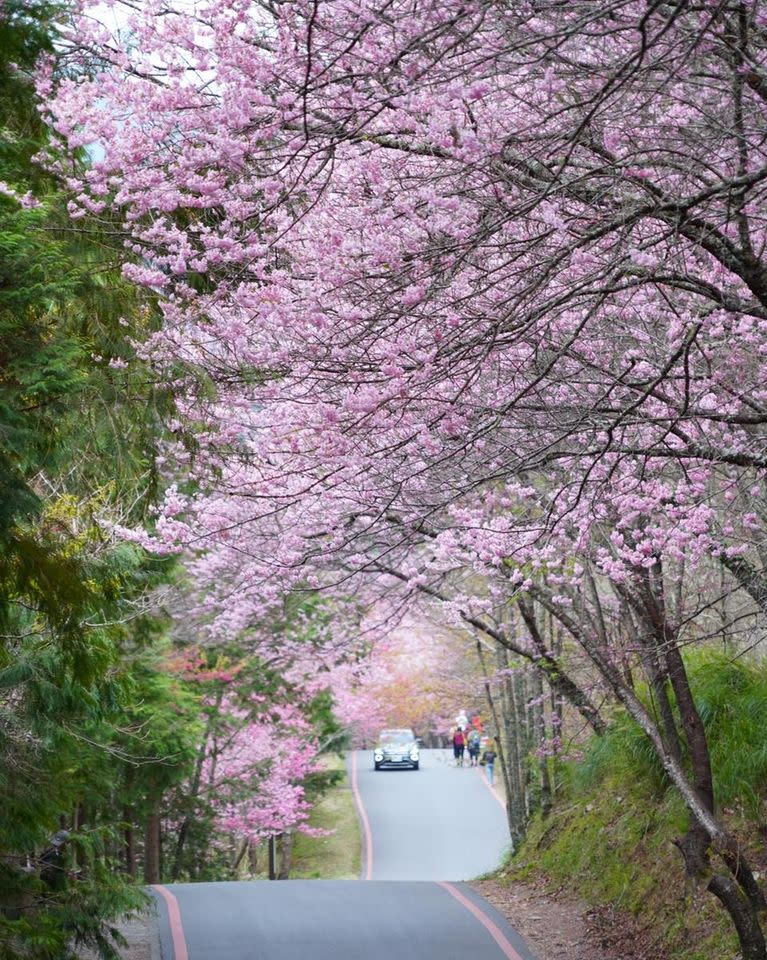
x: 335, y: 920
x: 422, y: 829
x: 436, y: 823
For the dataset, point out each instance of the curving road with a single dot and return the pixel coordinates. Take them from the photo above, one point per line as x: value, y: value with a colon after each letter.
x: 335, y: 920
x: 436, y: 823
x: 422, y: 829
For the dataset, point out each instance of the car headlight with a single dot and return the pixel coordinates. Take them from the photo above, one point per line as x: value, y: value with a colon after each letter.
x: 413, y: 754
x: 378, y: 754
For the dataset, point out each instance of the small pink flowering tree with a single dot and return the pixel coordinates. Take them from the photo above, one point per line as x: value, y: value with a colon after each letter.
x: 256, y: 772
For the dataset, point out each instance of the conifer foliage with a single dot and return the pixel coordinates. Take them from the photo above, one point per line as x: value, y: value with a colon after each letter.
x: 75, y: 648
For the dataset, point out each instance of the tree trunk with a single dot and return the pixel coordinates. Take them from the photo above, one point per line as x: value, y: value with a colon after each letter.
x: 556, y: 677
x: 129, y: 843
x: 540, y: 739
x: 239, y: 854
x: 750, y: 936
x: 724, y: 616
x: 556, y: 704
x: 694, y: 731
x: 272, y: 854
x: 542, y: 658
x: 753, y: 581
x: 152, y: 845
x: 658, y: 679
x: 194, y: 788
x: 514, y: 799
x: 253, y: 858
x: 78, y: 824
x: 744, y: 910
x: 497, y: 724
x: 519, y: 732
x: 286, y: 855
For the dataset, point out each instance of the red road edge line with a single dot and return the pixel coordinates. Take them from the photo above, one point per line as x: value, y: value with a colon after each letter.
x: 492, y: 928
x: 367, y: 832
x: 486, y: 782
x: 180, y: 951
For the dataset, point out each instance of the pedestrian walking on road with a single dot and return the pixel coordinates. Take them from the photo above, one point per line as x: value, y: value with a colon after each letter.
x: 488, y: 759
x: 472, y: 746
x: 459, y: 745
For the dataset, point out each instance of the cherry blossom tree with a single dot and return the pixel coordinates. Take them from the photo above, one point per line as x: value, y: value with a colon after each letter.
x: 416, y: 674
x: 257, y: 760
x: 450, y: 285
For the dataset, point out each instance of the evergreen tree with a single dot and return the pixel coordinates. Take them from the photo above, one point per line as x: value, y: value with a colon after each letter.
x: 89, y: 722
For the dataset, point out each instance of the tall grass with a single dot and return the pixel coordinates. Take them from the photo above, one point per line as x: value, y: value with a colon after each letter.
x: 732, y: 701
x: 613, y: 832
x: 731, y: 696
x: 624, y: 754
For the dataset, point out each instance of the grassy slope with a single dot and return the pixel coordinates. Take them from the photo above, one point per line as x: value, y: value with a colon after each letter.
x: 337, y: 856
x: 610, y: 839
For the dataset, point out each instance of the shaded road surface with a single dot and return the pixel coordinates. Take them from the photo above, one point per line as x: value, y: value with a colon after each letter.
x: 334, y: 920
x: 436, y: 823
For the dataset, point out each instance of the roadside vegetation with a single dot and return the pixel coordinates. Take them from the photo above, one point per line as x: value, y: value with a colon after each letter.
x: 613, y: 834
x: 338, y: 855
x: 78, y: 674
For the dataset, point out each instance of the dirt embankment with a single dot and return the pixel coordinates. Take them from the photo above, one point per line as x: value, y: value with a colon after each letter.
x: 557, y: 927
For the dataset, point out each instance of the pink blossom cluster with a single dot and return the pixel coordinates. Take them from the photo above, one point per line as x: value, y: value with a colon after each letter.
x: 446, y: 286
x: 255, y: 783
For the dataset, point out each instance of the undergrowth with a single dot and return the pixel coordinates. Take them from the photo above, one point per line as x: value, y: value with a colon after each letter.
x: 610, y: 836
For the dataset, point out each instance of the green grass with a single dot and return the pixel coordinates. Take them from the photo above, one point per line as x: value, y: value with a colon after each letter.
x: 338, y: 856
x: 614, y: 845
x: 610, y: 837
x: 732, y: 700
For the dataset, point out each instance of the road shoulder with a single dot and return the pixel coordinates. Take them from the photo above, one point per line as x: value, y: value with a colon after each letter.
x: 142, y: 936
x: 559, y: 927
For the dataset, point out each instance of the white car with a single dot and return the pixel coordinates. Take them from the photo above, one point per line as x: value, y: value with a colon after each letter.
x: 397, y: 748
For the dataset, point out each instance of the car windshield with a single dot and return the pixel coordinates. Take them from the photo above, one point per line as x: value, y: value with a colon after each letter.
x: 397, y: 736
